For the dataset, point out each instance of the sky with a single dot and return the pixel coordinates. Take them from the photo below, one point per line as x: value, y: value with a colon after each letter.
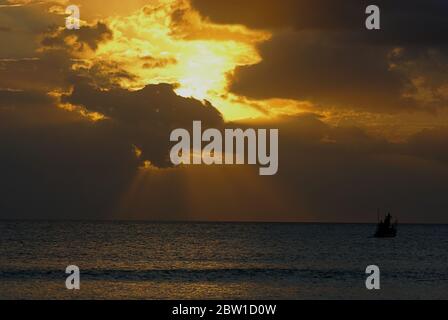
x: 86, y: 115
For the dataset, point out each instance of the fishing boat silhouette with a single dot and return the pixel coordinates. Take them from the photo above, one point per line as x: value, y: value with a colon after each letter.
x: 385, y: 228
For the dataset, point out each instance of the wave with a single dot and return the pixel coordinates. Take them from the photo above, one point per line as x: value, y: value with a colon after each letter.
x: 202, y: 274
x: 207, y: 274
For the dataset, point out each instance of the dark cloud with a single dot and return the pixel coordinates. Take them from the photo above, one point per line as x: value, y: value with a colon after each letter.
x: 46, y: 72
x: 325, y: 69
x: 14, y: 99
x: 146, y: 116
x: 69, y: 171
x: 326, y: 173
x: 59, y: 164
x: 50, y: 68
x: 403, y: 22
x: 25, y: 109
x: 105, y: 74
x: 428, y: 69
x: 321, y: 51
x: 81, y: 169
x: 56, y: 164
x: 430, y: 143
x: 344, y: 174
x: 300, y: 14
x: 89, y: 36
x: 21, y: 25
x: 412, y: 23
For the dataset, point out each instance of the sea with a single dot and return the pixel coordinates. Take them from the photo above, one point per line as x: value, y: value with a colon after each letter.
x: 147, y: 260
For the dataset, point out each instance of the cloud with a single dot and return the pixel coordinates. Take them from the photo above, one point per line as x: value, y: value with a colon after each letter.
x: 89, y: 36
x: 300, y: 14
x: 185, y: 50
x: 321, y: 52
x: 412, y: 22
x: 57, y: 163
x: 430, y: 143
x: 21, y: 26
x: 45, y: 72
x: 146, y: 116
x: 426, y: 68
x: 325, y: 69
x: 73, y: 168
x: 327, y: 173
x: 14, y: 99
x: 68, y: 171
x: 344, y: 174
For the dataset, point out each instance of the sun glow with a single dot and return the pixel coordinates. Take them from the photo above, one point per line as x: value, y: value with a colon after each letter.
x: 169, y: 42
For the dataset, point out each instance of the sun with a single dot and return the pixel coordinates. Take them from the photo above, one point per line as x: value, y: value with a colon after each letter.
x: 195, y: 55
x: 202, y: 70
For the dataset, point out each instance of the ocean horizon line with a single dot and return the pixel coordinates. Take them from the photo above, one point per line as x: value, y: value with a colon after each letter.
x: 149, y: 221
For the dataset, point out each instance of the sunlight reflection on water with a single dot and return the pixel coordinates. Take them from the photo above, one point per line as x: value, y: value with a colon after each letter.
x: 219, y: 261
